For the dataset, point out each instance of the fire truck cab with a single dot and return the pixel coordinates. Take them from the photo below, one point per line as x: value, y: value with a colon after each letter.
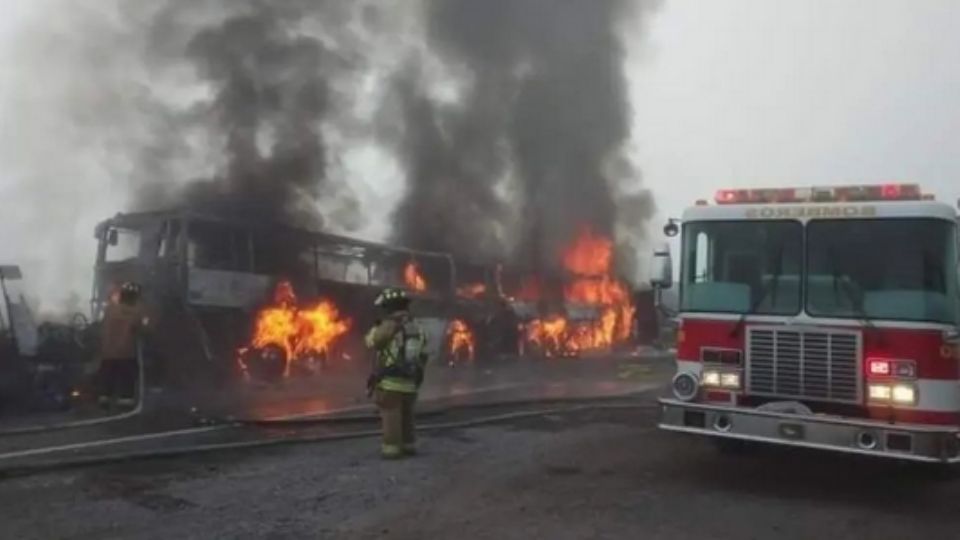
x: 824, y: 318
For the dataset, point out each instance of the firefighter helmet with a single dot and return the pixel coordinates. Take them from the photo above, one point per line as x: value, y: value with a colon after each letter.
x: 392, y: 298
x: 129, y: 292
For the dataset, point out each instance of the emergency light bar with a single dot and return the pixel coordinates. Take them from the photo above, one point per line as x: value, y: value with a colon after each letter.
x: 884, y: 192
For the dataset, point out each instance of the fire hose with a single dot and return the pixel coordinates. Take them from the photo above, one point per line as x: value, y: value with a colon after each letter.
x: 372, y: 416
x: 579, y: 405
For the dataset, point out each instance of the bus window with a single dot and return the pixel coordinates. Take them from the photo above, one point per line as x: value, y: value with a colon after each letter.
x: 275, y: 254
x: 356, y: 272
x: 122, y: 245
x: 331, y: 267
x: 211, y: 246
x: 169, y: 240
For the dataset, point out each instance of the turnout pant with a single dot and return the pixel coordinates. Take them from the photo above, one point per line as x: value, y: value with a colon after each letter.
x: 396, y: 417
x: 118, y: 379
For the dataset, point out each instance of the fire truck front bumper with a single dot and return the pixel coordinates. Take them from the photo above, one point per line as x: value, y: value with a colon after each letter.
x: 933, y: 444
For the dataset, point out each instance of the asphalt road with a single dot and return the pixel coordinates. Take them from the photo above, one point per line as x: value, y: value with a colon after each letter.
x: 587, y: 474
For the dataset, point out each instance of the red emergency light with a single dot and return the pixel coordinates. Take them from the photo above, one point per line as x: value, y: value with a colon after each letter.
x: 884, y: 192
x: 879, y: 367
x: 882, y: 367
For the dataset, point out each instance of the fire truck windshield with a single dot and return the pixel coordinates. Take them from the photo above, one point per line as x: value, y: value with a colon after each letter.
x: 902, y: 269
x: 742, y: 266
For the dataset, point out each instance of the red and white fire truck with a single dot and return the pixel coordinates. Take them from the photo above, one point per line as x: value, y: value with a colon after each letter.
x: 824, y: 318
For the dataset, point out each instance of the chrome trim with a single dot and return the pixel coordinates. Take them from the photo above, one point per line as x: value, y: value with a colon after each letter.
x: 694, y: 390
x: 803, y: 319
x: 867, y: 440
x: 827, y: 362
x: 929, y: 443
x: 720, y: 349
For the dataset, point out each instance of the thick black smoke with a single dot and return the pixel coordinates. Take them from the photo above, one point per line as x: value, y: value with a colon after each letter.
x: 546, y: 105
x: 453, y: 159
x: 268, y: 69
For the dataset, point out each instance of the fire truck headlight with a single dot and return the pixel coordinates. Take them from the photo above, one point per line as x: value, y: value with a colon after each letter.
x: 898, y: 393
x: 711, y: 377
x: 685, y: 386
x: 905, y: 394
x: 880, y: 392
x: 730, y: 380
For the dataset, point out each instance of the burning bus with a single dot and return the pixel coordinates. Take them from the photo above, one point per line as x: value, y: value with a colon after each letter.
x: 233, y: 297
x: 584, y: 309
x: 822, y: 318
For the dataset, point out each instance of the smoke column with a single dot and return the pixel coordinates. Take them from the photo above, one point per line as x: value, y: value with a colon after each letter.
x: 260, y: 110
x: 268, y: 70
x: 533, y: 152
x: 249, y: 108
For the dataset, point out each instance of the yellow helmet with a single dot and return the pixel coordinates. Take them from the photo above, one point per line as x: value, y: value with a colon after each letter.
x: 392, y: 298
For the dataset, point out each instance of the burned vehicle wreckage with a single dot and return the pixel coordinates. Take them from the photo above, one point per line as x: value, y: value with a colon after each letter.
x: 42, y: 364
x: 239, y: 299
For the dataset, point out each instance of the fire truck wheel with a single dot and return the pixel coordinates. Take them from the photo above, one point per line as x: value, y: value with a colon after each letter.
x: 267, y: 364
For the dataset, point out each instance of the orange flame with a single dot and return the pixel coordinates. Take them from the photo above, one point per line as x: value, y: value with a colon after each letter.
x: 548, y: 335
x: 299, y: 332
x: 590, y: 255
x: 412, y: 277
x: 320, y: 326
x: 589, y: 260
x: 461, y: 339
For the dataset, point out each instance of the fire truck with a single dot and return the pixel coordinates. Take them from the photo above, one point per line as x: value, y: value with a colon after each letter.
x: 824, y: 318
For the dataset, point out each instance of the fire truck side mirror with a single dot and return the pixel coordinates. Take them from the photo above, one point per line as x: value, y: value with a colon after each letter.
x: 661, y: 268
x: 671, y: 229
x: 113, y: 238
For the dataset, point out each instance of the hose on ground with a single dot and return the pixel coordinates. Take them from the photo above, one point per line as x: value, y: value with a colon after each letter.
x: 120, y: 457
x: 427, y: 412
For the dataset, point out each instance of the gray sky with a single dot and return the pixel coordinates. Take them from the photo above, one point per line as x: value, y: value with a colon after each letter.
x: 760, y: 92
x: 726, y: 93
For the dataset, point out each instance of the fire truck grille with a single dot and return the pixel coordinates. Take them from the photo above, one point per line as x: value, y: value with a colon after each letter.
x: 819, y: 365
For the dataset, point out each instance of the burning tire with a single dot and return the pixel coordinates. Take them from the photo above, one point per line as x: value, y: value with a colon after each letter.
x: 461, y: 343
x: 309, y: 364
x: 292, y: 339
x: 268, y: 363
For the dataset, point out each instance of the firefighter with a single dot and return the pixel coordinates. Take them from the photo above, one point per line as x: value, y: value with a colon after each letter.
x: 399, y: 344
x: 123, y: 322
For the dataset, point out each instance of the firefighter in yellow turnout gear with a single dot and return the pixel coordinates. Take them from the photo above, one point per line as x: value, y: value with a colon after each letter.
x: 399, y: 344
